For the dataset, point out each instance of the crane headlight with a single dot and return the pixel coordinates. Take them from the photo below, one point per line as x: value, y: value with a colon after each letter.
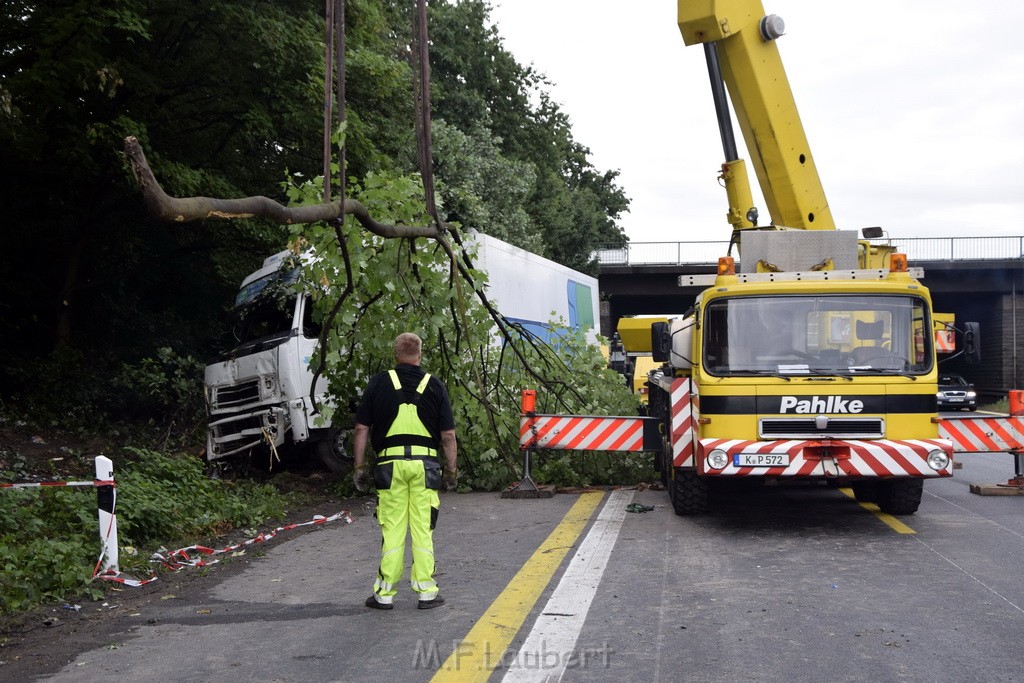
x: 772, y: 27
x: 718, y: 459
x: 938, y: 460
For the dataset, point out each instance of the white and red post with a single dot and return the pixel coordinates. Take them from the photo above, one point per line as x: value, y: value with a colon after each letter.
x: 106, y: 500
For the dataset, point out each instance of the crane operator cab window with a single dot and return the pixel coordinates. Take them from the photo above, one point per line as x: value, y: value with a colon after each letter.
x: 844, y: 334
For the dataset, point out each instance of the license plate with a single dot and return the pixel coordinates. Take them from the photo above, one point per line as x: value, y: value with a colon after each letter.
x: 760, y: 459
x: 956, y: 400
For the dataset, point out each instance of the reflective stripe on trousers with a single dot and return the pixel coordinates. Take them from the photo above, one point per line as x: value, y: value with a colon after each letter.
x: 407, y: 505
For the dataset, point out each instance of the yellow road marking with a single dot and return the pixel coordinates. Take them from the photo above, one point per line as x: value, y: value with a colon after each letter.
x: 477, y: 655
x: 895, y: 524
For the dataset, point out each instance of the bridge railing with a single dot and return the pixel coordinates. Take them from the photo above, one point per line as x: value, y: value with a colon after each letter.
x: 916, y: 249
x: 960, y: 248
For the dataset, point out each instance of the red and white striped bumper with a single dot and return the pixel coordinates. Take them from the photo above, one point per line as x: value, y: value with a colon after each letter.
x: 843, y: 458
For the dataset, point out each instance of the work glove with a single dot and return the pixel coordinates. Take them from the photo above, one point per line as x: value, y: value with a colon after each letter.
x: 361, y: 479
x: 450, y: 480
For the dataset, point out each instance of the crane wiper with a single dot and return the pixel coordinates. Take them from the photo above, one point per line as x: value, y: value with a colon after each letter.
x: 900, y: 373
x: 829, y: 372
x: 880, y: 371
x: 763, y: 373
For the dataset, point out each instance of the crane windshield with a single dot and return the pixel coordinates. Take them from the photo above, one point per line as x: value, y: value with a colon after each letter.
x: 836, y: 334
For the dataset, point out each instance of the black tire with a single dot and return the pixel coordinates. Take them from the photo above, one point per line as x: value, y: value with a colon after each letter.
x: 900, y: 496
x: 689, y: 492
x: 865, y: 491
x: 662, y: 460
x: 333, y: 452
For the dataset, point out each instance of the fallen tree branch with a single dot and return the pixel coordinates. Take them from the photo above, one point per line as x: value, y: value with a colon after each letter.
x: 176, y: 210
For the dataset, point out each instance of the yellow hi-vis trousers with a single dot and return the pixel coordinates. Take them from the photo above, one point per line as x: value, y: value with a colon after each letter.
x: 407, y: 504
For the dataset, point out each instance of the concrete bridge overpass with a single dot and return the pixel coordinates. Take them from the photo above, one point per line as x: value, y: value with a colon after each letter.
x: 977, y: 278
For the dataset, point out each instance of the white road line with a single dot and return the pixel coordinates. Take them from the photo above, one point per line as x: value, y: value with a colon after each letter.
x: 551, y: 643
x: 984, y: 585
x: 976, y: 514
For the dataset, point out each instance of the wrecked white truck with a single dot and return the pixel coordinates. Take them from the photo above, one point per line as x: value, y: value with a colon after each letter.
x: 258, y: 393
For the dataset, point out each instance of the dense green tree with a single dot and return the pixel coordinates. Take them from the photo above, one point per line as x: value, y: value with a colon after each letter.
x: 227, y: 97
x: 484, y: 189
x: 379, y: 134
x: 572, y: 206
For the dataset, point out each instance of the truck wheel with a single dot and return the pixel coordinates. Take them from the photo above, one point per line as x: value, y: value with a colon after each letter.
x: 661, y: 466
x: 900, y: 496
x: 689, y: 492
x: 333, y: 451
x: 865, y: 491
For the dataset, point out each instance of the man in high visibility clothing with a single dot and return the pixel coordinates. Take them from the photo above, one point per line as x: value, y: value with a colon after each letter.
x: 407, y: 417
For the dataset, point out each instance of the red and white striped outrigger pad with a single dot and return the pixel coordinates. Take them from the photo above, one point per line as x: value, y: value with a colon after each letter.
x: 877, y: 458
x: 588, y: 433
x: 983, y: 434
x: 945, y: 341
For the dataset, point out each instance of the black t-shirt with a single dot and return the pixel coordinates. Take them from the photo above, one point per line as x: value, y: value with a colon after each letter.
x: 379, y: 406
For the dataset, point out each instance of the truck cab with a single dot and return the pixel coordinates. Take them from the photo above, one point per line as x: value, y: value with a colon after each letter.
x: 258, y: 394
x: 798, y: 374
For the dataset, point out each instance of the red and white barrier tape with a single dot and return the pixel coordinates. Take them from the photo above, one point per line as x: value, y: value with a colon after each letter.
x: 193, y: 555
x: 45, y: 484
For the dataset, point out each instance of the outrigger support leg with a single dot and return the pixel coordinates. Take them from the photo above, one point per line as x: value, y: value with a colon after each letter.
x: 527, y: 487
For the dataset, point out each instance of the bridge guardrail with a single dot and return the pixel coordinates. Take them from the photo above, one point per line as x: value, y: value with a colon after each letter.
x: 916, y: 249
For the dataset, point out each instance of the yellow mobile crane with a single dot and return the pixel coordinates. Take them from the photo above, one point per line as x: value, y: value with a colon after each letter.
x: 816, y: 361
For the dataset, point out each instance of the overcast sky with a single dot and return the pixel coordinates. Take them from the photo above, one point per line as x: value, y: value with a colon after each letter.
x: 914, y: 109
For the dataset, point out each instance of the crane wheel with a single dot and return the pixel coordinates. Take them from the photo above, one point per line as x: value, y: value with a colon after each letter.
x: 689, y: 492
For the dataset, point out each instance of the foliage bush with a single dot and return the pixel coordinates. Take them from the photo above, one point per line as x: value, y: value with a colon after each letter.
x: 49, y: 543
x: 66, y: 389
x: 74, y: 392
x: 172, y: 500
x: 169, y: 379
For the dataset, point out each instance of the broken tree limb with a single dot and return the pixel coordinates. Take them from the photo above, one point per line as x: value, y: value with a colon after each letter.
x: 182, y: 210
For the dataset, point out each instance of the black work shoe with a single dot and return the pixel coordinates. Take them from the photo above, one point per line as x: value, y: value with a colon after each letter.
x: 431, y: 604
x: 372, y: 603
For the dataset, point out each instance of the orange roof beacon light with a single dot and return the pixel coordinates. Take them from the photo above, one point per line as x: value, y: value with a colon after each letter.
x: 898, y: 263
x: 529, y: 401
x: 726, y: 265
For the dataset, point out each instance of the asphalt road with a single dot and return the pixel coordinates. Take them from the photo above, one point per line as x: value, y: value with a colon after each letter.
x: 777, y: 584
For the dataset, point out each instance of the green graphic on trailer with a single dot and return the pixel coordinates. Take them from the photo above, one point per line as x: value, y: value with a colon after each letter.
x: 581, y: 306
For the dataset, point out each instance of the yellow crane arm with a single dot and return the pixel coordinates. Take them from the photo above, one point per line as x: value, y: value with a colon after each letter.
x: 741, y: 38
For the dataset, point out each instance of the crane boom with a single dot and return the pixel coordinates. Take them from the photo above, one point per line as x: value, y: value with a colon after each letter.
x: 740, y: 46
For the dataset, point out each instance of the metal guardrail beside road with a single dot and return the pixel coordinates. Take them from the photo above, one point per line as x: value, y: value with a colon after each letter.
x: 916, y: 249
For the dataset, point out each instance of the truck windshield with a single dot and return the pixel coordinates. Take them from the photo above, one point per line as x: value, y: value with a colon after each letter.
x: 265, y: 318
x: 259, y: 286
x: 840, y: 334
x: 265, y: 309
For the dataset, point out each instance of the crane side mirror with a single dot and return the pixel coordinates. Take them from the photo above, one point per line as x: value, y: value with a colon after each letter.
x: 872, y: 232
x: 661, y: 342
x: 972, y: 343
